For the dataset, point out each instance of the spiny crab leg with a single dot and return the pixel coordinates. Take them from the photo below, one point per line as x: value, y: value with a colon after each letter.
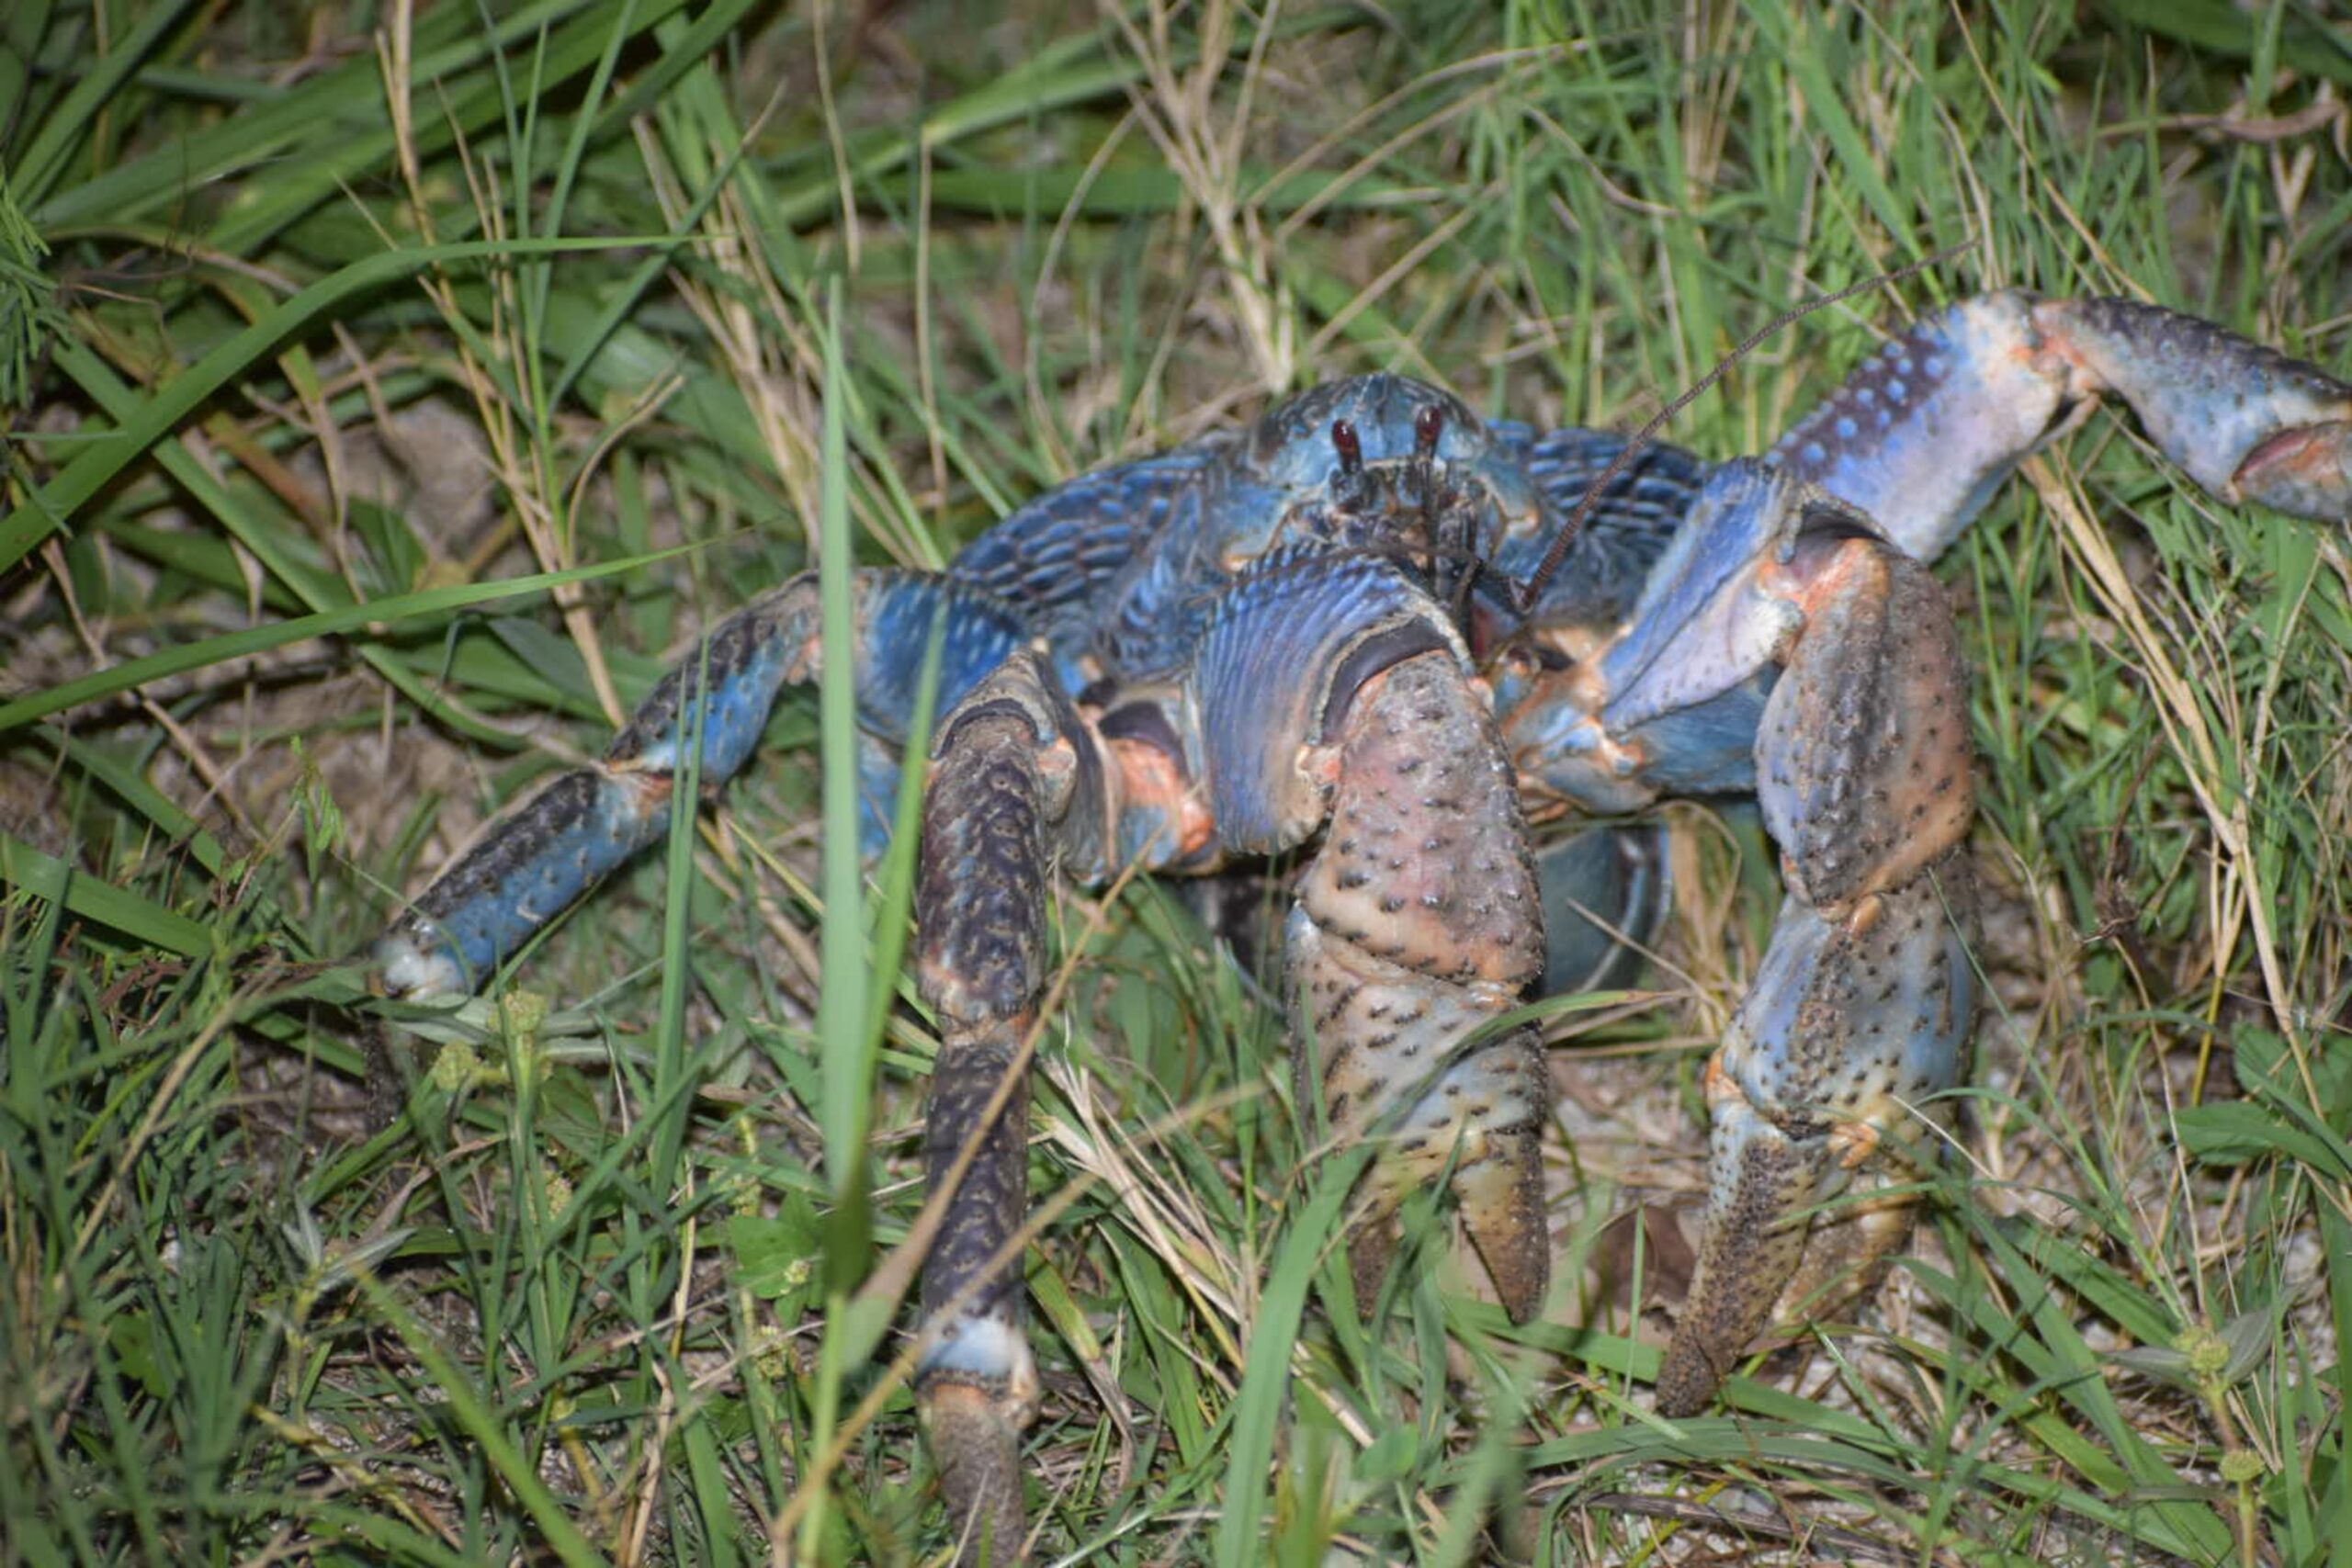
x: 535, y: 860
x: 1787, y: 641
x: 1922, y: 432
x: 1785, y: 645
x: 1853, y: 1027
x: 1864, y: 1006
x: 1324, y: 692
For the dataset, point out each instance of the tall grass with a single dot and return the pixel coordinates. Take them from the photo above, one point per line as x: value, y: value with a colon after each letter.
x: 392, y: 393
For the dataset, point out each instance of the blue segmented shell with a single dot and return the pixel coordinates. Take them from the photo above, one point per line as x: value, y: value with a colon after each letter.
x: 1602, y: 577
x: 1054, y: 559
x: 1273, y: 657
x: 979, y: 631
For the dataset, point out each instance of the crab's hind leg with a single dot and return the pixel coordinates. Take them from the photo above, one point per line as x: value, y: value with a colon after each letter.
x: 1922, y: 433
x: 534, y: 861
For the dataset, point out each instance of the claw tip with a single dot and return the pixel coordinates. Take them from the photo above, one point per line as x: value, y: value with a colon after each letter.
x: 2306, y: 471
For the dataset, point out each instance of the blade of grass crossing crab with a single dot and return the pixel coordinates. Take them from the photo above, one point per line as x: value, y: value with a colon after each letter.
x: 673, y: 1101
x: 842, y: 1010
x: 1298, y: 1257
x: 844, y: 1056
x: 894, y: 876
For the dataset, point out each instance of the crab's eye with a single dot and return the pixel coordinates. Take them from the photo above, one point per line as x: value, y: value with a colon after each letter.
x: 1349, y: 448
x: 1429, y: 424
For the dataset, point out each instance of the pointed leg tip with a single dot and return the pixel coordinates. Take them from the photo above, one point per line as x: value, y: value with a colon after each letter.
x: 1688, y: 1380
x: 1371, y: 1249
x: 975, y: 1440
x: 1503, y: 1214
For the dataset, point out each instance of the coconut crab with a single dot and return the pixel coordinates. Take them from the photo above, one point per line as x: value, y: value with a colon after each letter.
x: 1360, y: 633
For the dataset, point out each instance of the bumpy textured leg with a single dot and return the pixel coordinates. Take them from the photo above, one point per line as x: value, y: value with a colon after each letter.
x: 1416, y: 924
x: 1334, y: 692
x: 534, y: 861
x: 1783, y: 644
x: 1922, y: 434
x: 1854, y: 1023
x: 1780, y: 645
x: 982, y: 909
x: 1021, y: 782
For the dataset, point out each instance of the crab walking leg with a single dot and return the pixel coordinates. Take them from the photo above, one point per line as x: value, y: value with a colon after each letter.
x: 1853, y: 1023
x: 980, y: 960
x: 1924, y: 430
x: 1333, y: 693
x: 1863, y: 1008
x: 1022, y: 786
x: 1785, y: 645
x: 534, y: 861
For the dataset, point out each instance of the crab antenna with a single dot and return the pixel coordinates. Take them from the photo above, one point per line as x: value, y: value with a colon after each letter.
x: 1529, y: 591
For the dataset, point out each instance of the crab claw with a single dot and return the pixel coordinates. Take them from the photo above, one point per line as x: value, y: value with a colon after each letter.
x: 2244, y: 421
x: 2306, y: 471
x: 1855, y: 1023
x: 1922, y: 434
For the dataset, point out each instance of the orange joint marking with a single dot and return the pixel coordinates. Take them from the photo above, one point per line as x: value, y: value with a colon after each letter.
x: 1056, y: 762
x: 1814, y: 578
x: 1150, y: 777
x: 1581, y: 685
x: 651, y: 789
x: 1868, y: 910
x: 1720, y: 1087
x: 1852, y: 1143
x: 1626, y: 758
x: 2050, y: 349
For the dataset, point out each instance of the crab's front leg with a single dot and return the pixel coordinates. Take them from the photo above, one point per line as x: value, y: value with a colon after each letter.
x: 1333, y: 694
x: 1785, y: 645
